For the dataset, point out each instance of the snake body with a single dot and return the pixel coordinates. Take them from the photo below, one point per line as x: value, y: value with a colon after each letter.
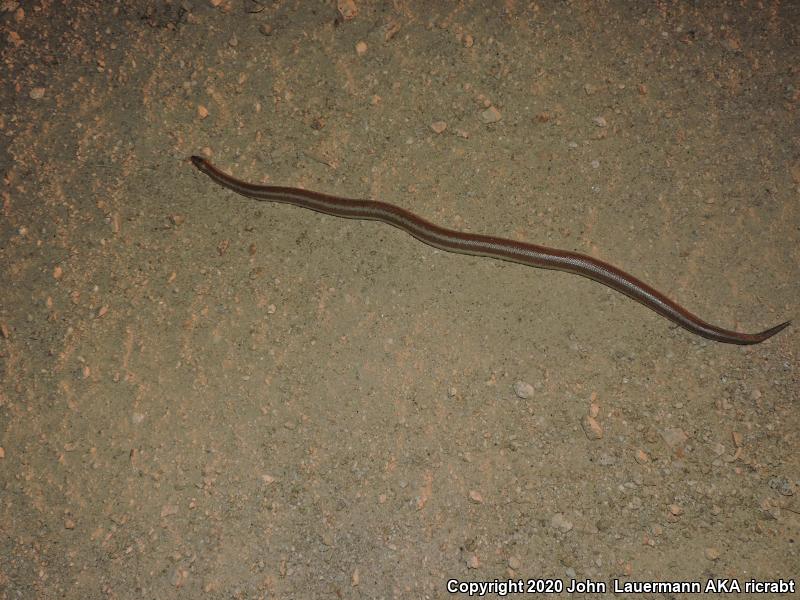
x: 484, y: 245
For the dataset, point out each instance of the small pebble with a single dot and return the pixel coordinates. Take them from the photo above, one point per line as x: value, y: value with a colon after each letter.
x: 606, y: 460
x: 347, y: 8
x: 592, y: 428
x: 491, y: 115
x: 560, y: 522
x: 674, y: 437
x: 390, y: 30
x: 600, y: 122
x: 794, y: 171
x: 14, y: 38
x: 179, y: 577
x: 438, y: 126
x: 732, y: 44
x: 523, y: 390
x: 361, y: 48
x: 37, y: 93
x: 712, y: 554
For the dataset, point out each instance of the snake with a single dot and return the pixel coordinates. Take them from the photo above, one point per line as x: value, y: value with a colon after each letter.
x: 499, y: 248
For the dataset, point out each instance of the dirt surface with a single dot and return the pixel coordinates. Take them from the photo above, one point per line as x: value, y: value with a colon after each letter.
x: 204, y: 396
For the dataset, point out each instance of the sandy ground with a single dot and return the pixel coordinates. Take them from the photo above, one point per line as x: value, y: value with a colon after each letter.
x: 204, y: 396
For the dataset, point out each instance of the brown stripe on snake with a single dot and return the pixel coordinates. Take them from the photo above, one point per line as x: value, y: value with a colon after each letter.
x: 484, y: 245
